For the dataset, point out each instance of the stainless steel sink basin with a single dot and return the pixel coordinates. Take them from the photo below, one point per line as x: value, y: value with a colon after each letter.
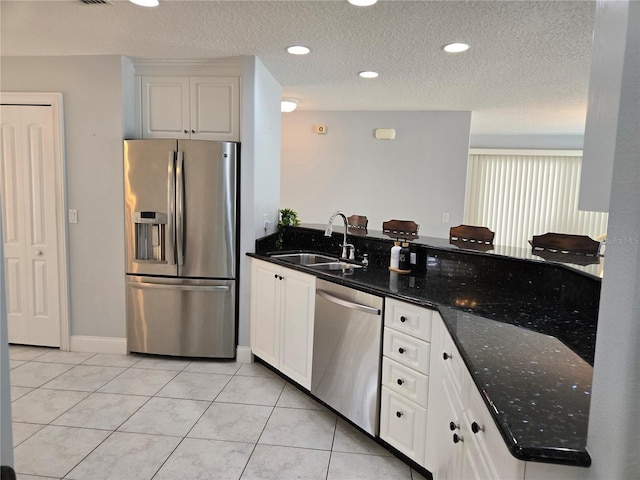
x: 316, y: 261
x: 303, y: 258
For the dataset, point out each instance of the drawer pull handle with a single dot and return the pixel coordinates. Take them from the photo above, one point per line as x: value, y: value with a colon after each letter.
x: 446, y: 356
x: 453, y: 426
x: 403, y: 319
x: 400, y: 381
x: 401, y: 350
x: 399, y: 414
x: 475, y: 428
x: 457, y: 438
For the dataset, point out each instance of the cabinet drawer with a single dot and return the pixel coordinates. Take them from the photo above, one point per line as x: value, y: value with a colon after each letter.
x: 407, y: 350
x: 408, y: 318
x: 403, y: 424
x: 405, y: 381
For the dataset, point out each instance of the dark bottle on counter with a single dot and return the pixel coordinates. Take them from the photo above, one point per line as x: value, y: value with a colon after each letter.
x: 405, y: 257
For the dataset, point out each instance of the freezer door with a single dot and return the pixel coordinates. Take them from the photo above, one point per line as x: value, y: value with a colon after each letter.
x: 192, y: 318
x: 149, y: 185
x: 206, y: 209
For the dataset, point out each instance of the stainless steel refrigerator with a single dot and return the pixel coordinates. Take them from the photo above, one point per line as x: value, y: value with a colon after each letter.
x: 181, y: 246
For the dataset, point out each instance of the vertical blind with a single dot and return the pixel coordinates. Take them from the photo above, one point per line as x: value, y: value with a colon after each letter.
x: 518, y: 196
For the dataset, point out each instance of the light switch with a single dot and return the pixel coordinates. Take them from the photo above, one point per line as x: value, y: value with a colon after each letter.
x: 73, y: 215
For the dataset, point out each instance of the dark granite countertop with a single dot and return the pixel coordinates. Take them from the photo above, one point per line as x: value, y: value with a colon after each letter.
x: 586, y: 264
x: 529, y: 357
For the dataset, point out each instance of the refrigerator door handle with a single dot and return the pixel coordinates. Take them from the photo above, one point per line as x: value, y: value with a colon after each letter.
x: 171, y: 207
x: 180, y: 207
x: 162, y: 286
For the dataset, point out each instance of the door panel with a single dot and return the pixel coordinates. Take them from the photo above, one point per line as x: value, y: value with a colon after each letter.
x: 30, y: 225
x: 165, y: 104
x: 209, y: 209
x: 215, y: 108
x: 146, y: 187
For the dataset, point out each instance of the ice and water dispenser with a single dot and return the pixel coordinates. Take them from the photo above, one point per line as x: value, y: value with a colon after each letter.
x: 150, y: 236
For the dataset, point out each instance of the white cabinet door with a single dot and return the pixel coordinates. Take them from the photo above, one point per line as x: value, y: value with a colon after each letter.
x: 265, y: 311
x: 165, y: 107
x: 215, y: 108
x: 402, y: 424
x: 297, y: 310
x: 446, y: 428
x: 199, y: 108
x: 282, y: 310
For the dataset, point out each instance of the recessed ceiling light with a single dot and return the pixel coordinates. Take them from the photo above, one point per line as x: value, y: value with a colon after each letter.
x: 145, y: 3
x: 362, y: 3
x: 368, y: 74
x: 298, y: 50
x: 288, y: 104
x: 455, y: 47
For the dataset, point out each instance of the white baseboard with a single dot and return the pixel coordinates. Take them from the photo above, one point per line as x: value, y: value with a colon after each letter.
x: 243, y: 354
x: 80, y: 343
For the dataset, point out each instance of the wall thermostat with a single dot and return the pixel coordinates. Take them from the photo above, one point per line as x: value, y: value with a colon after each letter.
x: 385, y: 133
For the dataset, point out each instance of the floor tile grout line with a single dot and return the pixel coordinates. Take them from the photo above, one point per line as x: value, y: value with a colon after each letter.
x: 333, y: 442
x: 255, y: 444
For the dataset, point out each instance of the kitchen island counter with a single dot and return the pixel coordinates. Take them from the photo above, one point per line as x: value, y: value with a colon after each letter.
x: 530, y: 356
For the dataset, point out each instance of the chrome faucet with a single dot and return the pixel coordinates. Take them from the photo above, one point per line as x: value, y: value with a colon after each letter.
x: 348, y: 250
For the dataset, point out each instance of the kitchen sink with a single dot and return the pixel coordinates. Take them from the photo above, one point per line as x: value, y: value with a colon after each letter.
x: 304, y: 258
x: 316, y: 261
x: 339, y: 265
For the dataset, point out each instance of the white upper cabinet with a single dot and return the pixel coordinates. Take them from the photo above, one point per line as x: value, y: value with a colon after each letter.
x: 195, y: 107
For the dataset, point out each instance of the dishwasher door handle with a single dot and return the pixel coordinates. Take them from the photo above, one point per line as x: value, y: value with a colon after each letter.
x: 347, y: 304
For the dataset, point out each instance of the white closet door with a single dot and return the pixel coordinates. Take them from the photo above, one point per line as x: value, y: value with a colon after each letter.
x: 30, y: 228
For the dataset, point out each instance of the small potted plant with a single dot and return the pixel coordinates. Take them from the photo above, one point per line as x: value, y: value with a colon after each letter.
x: 288, y: 218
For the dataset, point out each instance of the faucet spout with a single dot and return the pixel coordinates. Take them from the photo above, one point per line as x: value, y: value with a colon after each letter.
x: 348, y: 250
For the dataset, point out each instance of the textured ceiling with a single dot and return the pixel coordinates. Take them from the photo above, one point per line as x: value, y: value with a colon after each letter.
x: 526, y: 72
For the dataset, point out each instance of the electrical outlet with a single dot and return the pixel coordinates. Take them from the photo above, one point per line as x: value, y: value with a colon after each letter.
x: 267, y: 223
x: 445, y: 217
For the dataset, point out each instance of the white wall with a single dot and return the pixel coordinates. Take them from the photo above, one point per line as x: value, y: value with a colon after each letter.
x: 93, y: 121
x: 417, y: 176
x: 614, y: 421
x: 530, y: 142
x: 260, y: 167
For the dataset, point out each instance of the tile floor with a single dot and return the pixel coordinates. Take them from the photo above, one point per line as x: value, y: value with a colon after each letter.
x: 127, y: 417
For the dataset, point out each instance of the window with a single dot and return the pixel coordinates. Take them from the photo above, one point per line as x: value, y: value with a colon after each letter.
x: 518, y: 194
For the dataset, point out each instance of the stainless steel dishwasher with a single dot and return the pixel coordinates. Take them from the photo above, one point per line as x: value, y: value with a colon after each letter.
x: 347, y: 353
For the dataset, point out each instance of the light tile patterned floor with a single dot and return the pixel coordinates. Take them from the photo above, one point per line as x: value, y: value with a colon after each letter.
x: 127, y: 417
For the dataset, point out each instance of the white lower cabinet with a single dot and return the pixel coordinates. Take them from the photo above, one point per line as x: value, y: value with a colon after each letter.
x: 405, y: 377
x: 463, y: 442
x: 282, y: 310
x: 462, y: 439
